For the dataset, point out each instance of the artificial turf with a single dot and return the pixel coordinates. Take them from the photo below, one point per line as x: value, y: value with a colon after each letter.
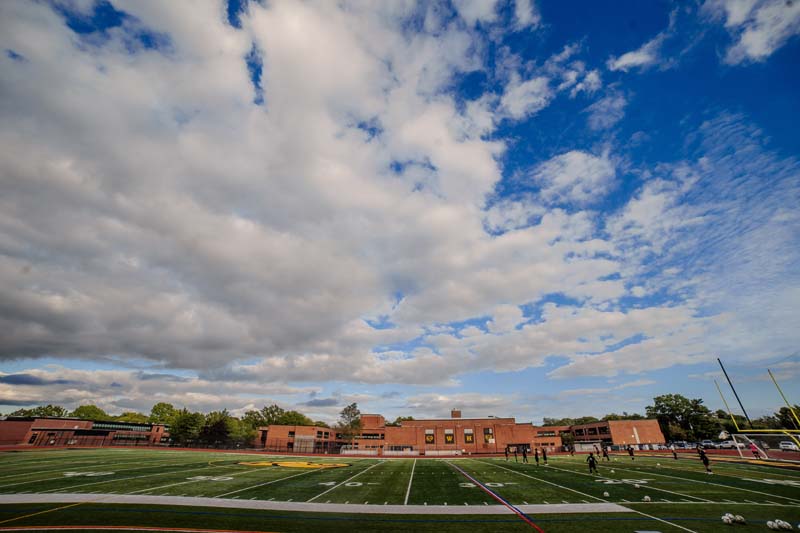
x: 681, y: 493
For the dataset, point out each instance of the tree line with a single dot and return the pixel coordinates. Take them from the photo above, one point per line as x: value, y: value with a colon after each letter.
x: 682, y: 418
x: 215, y: 428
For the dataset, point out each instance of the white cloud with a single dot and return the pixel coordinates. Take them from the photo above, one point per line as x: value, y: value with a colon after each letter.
x: 526, y: 14
x: 641, y: 58
x: 525, y: 98
x: 474, y: 11
x: 606, y: 112
x: 758, y: 27
x: 576, y: 177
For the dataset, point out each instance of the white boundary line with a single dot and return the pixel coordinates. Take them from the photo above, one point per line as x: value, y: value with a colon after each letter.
x: 134, y: 477
x: 140, y: 467
x: 590, y: 496
x: 408, y: 490
x: 795, y: 500
x: 663, y: 521
x: 343, y: 482
x: 266, y: 483
x: 648, y: 486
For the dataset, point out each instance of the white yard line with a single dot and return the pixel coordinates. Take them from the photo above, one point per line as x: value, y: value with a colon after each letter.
x: 408, y: 490
x: 262, y: 484
x: 648, y: 487
x: 70, y: 470
x: 664, y: 521
x: 134, y: 477
x: 545, y: 481
x: 590, y: 496
x: 343, y: 482
x: 714, y: 484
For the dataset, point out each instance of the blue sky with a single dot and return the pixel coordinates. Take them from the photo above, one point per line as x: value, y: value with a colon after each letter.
x: 516, y: 208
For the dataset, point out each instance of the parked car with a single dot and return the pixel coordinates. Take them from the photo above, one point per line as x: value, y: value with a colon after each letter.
x: 708, y: 444
x: 729, y: 444
x: 789, y: 446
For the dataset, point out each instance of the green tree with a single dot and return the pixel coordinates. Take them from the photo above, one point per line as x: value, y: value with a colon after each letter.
x: 675, y: 412
x: 265, y: 416
x: 90, y: 412
x: 399, y: 421
x: 294, y: 418
x: 185, y: 426
x: 321, y: 424
x: 216, y: 427
x: 786, y: 419
x: 162, y: 413
x: 240, y: 432
x: 42, y: 411
x: 130, y: 416
x: 568, y: 421
x: 350, y: 422
x: 623, y: 416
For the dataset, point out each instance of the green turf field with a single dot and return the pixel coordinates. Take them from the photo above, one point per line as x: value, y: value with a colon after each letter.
x: 683, y: 497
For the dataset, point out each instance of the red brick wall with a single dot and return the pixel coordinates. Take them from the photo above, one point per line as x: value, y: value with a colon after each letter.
x: 14, y: 431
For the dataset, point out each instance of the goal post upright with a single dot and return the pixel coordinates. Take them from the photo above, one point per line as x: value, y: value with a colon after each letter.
x: 796, y: 420
x: 751, y: 434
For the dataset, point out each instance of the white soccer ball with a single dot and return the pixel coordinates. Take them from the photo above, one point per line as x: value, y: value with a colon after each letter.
x: 658, y: 464
x: 727, y: 520
x: 771, y: 524
x: 612, y: 470
x: 646, y: 499
x: 606, y: 495
x: 635, y: 485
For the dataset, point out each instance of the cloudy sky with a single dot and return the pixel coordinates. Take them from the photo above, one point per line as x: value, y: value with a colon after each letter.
x: 516, y: 208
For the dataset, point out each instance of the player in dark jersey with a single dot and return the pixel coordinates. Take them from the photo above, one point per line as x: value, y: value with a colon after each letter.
x: 592, y: 460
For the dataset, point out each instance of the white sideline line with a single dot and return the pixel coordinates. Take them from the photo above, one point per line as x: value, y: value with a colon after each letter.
x: 343, y: 482
x: 649, y: 486
x: 664, y: 521
x: 134, y: 477
x: 593, y: 497
x: 262, y: 484
x: 714, y: 484
x: 408, y: 490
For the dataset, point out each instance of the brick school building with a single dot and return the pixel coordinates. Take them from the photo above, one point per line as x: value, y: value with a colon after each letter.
x: 47, y: 431
x: 454, y: 436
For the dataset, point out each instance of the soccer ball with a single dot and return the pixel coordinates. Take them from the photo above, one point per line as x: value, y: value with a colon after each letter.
x: 612, y: 470
x: 772, y: 525
x: 646, y: 499
x: 635, y: 485
x: 658, y: 464
x: 606, y: 495
x: 727, y: 520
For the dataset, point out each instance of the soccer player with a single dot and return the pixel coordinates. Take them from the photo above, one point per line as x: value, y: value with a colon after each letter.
x: 506, y: 453
x: 515, y: 455
x: 605, y: 453
x: 536, y: 455
x: 592, y: 460
x: 544, y: 456
x: 630, y: 452
x: 525, y: 454
x: 754, y: 449
x: 704, y: 458
x: 674, y: 452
